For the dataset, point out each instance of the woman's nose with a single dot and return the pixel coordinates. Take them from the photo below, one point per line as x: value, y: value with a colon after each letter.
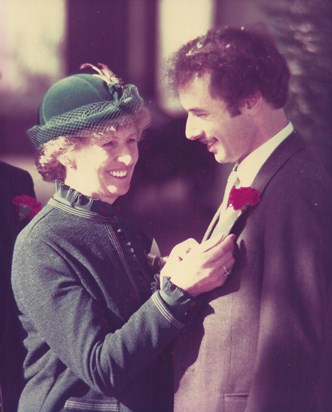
x: 125, y: 158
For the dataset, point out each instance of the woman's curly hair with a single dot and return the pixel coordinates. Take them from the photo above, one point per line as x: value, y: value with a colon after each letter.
x: 241, y: 61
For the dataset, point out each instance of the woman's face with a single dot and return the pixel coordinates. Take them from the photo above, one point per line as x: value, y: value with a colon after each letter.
x: 103, y: 168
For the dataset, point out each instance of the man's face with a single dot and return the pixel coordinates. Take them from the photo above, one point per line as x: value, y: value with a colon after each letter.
x: 229, y: 138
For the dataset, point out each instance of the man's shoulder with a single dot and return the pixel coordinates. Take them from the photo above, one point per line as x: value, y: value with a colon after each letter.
x: 294, y: 173
x: 15, y: 181
x: 308, y: 166
x: 8, y: 170
x: 297, y: 159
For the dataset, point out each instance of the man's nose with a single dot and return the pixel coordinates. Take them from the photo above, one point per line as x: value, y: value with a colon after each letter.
x: 193, y: 132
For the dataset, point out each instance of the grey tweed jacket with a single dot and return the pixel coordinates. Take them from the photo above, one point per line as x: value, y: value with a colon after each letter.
x: 94, y: 332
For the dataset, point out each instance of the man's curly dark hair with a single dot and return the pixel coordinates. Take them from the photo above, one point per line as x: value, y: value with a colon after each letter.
x: 241, y: 61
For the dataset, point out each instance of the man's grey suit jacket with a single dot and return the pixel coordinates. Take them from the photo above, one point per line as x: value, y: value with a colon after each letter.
x: 262, y: 342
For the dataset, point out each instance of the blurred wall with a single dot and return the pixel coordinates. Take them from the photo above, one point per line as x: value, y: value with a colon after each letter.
x: 177, y: 185
x: 32, y: 49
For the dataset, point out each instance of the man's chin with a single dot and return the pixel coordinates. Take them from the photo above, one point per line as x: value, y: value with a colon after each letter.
x: 220, y: 158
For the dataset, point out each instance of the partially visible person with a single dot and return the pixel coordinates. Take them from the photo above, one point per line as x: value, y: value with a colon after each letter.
x: 96, y: 336
x: 16, y: 188
x: 263, y: 342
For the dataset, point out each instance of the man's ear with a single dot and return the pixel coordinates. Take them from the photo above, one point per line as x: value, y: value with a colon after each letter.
x: 253, y: 102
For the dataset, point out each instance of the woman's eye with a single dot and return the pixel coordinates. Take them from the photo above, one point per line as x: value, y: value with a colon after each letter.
x: 110, y: 144
x: 132, y: 140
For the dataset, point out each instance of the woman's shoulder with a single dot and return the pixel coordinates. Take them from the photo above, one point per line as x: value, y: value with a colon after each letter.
x: 48, y: 223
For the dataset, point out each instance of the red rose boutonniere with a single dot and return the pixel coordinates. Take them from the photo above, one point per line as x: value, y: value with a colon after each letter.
x: 243, y: 196
x: 27, y: 206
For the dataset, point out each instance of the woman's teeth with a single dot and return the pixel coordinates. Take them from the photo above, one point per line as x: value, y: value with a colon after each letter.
x: 118, y: 173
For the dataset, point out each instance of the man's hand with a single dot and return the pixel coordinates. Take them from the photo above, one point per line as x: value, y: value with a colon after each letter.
x: 198, y: 268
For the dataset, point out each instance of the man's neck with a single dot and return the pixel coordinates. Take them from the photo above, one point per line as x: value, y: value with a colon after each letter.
x: 271, y: 123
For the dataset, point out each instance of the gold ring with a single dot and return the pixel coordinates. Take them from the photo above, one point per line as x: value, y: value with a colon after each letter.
x: 226, y: 272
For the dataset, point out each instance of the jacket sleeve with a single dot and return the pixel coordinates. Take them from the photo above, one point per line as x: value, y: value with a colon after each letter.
x: 76, y: 328
x: 296, y: 288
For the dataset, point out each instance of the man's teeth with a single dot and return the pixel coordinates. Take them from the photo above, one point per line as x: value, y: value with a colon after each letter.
x: 118, y: 173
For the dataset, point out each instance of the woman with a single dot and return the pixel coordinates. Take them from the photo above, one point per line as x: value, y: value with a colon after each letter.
x: 94, y: 331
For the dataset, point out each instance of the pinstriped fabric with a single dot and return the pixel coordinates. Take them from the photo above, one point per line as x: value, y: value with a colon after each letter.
x: 162, y: 309
x: 75, y: 405
x: 87, y: 214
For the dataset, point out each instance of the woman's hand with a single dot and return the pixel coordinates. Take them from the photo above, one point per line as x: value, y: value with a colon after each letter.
x: 198, y: 268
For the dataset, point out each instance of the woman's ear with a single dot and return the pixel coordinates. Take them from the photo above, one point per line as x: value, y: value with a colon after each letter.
x: 68, y: 161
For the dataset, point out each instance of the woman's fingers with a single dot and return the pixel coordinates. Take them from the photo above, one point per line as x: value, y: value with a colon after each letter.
x: 183, y: 248
x: 221, y: 250
x: 216, y: 241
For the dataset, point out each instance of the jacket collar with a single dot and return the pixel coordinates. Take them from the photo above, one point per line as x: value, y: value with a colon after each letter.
x: 75, y: 202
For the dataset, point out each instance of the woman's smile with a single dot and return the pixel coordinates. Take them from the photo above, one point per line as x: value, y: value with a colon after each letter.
x: 119, y: 174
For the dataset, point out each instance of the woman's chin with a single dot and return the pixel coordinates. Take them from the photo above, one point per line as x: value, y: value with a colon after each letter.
x: 112, y: 195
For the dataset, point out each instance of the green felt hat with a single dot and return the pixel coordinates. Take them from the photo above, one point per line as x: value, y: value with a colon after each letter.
x: 85, y: 102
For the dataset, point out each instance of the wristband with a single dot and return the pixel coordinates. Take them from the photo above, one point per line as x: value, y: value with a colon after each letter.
x: 178, y: 300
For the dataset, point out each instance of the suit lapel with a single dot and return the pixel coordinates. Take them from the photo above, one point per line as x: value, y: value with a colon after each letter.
x: 223, y: 225
x: 212, y: 225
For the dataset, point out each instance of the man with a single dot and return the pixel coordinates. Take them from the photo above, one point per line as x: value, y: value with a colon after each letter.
x: 261, y: 343
x: 13, y: 182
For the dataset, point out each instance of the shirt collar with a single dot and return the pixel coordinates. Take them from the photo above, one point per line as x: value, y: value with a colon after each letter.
x: 248, y: 169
